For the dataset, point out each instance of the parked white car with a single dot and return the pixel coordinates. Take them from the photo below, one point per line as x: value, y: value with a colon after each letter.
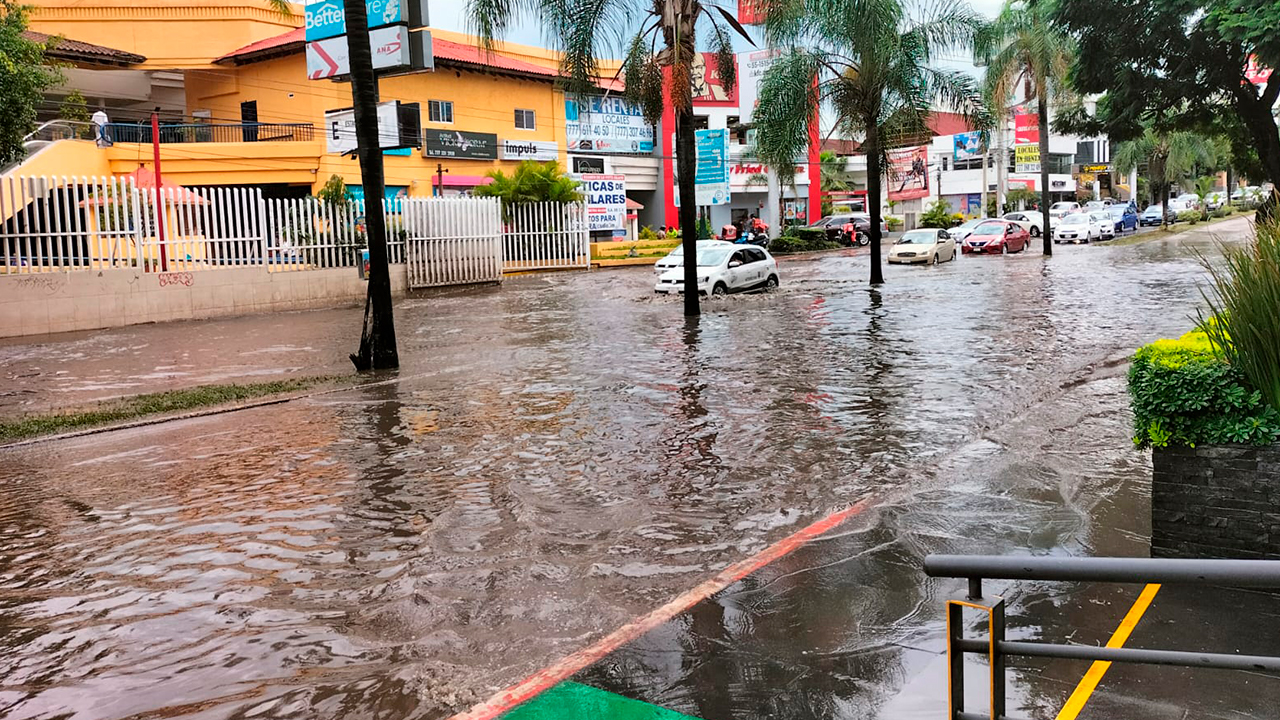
x: 962, y: 231
x: 1062, y: 209
x: 1026, y: 220
x: 725, y: 268
x: 1106, y: 226
x: 1191, y: 200
x: 1077, y: 228
x: 675, y: 258
x: 930, y: 245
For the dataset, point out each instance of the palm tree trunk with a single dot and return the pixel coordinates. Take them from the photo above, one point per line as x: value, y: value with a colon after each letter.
x: 686, y: 167
x: 1046, y: 236
x: 873, y: 200
x: 378, y: 337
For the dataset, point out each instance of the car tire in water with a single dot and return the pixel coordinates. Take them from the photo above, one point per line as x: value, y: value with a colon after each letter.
x: 1035, y: 231
x: 935, y: 258
x: 1004, y: 249
x: 771, y: 283
x: 720, y: 290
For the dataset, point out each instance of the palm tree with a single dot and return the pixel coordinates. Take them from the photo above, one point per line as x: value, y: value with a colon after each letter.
x: 584, y: 30
x: 531, y: 182
x: 1169, y: 156
x: 1022, y: 48
x: 869, y: 61
x: 1204, y: 188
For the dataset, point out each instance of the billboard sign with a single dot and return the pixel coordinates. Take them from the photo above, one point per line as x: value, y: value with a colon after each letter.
x: 606, y: 125
x: 711, y: 169
x: 968, y: 146
x: 340, y: 128
x: 393, y: 48
x: 751, y: 69
x: 459, y: 144
x: 325, y: 19
x: 1026, y: 129
x: 538, y: 150
x: 751, y: 12
x: 708, y: 87
x: 1026, y: 158
x: 908, y: 173
x: 606, y: 201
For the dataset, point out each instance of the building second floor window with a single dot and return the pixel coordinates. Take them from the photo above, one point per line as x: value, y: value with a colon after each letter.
x: 525, y: 120
x: 439, y: 111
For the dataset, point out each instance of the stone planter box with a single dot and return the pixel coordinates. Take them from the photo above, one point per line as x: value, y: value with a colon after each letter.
x: 1216, y: 501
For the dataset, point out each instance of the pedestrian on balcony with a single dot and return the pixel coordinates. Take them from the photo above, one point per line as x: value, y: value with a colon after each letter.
x: 100, y: 127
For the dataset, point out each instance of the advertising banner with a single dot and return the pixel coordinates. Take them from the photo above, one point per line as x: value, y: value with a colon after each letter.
x: 968, y: 146
x: 606, y: 200
x: 325, y: 18
x: 1100, y: 168
x: 606, y: 125
x: 393, y: 47
x: 908, y: 173
x: 751, y: 12
x: 459, y: 144
x: 751, y: 69
x: 1026, y: 129
x: 539, y: 150
x: 711, y: 172
x: 1255, y: 72
x: 708, y: 88
x: 1026, y: 158
x: 974, y: 204
x: 340, y: 128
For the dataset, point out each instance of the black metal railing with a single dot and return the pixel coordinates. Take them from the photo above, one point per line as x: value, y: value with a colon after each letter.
x: 975, y: 569
x: 209, y: 132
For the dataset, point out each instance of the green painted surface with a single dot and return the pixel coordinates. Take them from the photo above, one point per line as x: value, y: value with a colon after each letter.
x: 574, y: 701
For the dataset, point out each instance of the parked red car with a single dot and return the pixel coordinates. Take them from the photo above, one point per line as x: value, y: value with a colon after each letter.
x: 996, y: 237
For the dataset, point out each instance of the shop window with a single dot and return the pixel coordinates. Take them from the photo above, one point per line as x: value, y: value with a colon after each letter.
x: 440, y: 111
x: 525, y: 120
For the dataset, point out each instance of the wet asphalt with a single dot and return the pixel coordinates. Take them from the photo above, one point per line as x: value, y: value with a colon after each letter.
x: 565, y: 453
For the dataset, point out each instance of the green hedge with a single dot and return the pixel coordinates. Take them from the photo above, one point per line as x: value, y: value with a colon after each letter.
x: 1189, y: 216
x: 1183, y: 393
x: 801, y: 239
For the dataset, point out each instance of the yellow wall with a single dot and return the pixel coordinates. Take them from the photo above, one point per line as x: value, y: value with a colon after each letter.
x: 169, y: 35
x: 482, y: 103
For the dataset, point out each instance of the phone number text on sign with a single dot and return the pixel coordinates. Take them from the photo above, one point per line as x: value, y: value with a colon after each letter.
x: 606, y: 201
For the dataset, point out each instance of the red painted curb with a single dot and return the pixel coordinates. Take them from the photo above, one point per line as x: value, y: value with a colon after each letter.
x: 549, y: 676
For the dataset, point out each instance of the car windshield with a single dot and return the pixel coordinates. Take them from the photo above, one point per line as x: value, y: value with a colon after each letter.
x: 712, y: 257
x: 1062, y: 206
x: 919, y: 237
x: 969, y: 225
x: 1153, y: 209
x: 1117, y: 211
x: 990, y: 228
x: 1076, y: 219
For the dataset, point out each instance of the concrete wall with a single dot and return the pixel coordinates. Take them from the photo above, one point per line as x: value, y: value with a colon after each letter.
x: 1216, y: 501
x: 44, y: 303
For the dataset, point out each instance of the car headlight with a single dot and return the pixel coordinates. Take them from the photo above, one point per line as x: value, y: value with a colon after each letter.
x: 703, y: 279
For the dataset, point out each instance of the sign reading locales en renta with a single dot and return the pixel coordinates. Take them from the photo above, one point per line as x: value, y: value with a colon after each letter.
x: 606, y: 200
x: 325, y: 19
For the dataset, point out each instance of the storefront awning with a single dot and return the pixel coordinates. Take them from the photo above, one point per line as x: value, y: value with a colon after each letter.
x: 461, y: 180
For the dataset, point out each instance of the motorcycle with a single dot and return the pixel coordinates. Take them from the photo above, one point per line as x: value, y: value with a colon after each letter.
x: 852, y: 236
x: 756, y: 236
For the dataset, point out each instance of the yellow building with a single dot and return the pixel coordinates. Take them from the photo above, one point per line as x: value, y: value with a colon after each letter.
x: 229, y: 80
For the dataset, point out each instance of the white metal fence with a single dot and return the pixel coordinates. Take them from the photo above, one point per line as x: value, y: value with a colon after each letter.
x: 59, y: 224
x: 543, y: 236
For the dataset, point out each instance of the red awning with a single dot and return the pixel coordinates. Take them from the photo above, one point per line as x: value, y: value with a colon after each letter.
x: 462, y: 180
x: 633, y: 205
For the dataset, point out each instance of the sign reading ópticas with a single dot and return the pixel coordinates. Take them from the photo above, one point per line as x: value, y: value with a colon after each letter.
x: 606, y: 200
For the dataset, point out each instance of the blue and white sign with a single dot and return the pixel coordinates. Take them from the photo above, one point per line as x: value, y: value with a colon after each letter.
x: 600, y: 124
x: 711, y: 174
x: 325, y: 19
x: 968, y: 146
x: 606, y: 200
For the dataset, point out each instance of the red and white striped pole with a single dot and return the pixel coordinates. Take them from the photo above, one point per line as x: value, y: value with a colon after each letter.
x: 155, y: 147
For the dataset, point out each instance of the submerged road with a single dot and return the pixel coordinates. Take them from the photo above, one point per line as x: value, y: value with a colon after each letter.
x: 565, y: 453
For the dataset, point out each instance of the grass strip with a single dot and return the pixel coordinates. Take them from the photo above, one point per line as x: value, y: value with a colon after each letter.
x: 139, y: 406
x: 1167, y: 234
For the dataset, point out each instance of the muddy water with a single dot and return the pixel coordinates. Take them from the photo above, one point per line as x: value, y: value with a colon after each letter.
x: 561, y: 454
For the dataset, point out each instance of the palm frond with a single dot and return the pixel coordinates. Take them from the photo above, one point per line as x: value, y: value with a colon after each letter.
x: 789, y: 100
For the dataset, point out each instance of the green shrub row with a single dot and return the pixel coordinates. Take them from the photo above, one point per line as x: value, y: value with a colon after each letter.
x: 1189, y: 216
x: 1184, y: 393
x: 802, y: 239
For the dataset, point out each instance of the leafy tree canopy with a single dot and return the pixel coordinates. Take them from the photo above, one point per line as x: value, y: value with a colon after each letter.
x: 24, y: 77
x: 531, y: 182
x: 1180, y: 65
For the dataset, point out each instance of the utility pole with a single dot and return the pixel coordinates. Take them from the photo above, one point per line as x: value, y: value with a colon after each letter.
x: 155, y: 149
x: 986, y: 160
x: 378, y: 337
x: 440, y: 171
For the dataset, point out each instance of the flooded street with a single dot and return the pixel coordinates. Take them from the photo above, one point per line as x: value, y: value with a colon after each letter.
x: 564, y: 453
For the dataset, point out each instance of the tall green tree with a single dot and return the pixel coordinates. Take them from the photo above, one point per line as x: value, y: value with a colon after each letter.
x: 24, y: 77
x: 1024, y: 52
x: 872, y: 63
x: 531, y: 182
x: 1169, y: 157
x: 657, y: 66
x: 1185, y: 63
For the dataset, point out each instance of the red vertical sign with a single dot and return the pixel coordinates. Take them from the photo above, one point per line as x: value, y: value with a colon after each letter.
x: 1026, y: 129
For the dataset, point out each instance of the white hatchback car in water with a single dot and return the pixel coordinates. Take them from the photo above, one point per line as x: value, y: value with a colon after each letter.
x: 725, y: 268
x: 675, y: 258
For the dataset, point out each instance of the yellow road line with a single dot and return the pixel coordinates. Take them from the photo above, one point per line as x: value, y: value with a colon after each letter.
x: 1089, y: 682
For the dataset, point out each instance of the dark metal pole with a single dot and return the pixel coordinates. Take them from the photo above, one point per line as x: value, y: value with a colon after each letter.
x: 378, y: 338
x: 1229, y: 573
x: 955, y: 658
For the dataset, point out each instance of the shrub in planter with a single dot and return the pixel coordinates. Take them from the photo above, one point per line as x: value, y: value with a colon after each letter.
x: 647, y: 233
x: 937, y: 216
x: 1183, y: 392
x: 801, y: 239
x: 893, y: 222
x: 1189, y: 216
